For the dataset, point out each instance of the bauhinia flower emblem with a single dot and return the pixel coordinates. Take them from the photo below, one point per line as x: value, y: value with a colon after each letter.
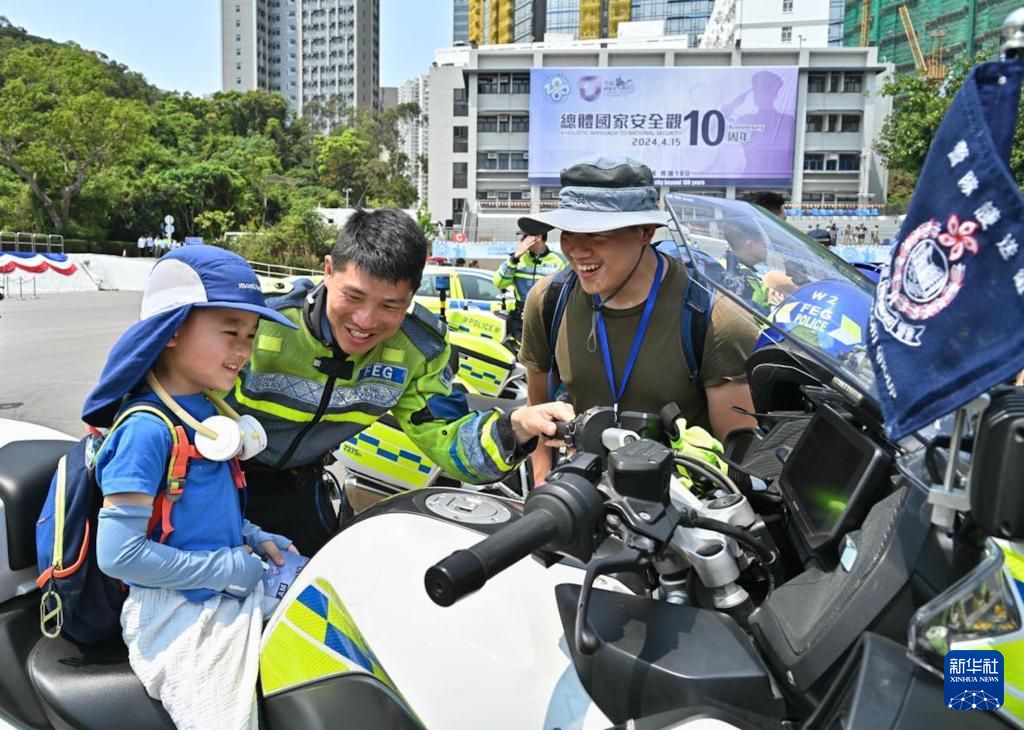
x: 958, y: 237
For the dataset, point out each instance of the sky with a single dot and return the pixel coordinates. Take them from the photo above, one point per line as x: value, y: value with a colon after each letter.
x: 175, y: 44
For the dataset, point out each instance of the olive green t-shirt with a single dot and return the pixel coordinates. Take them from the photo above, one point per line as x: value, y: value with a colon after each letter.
x: 660, y: 375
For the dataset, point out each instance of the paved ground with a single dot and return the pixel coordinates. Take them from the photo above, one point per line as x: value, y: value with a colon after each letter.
x: 52, y: 350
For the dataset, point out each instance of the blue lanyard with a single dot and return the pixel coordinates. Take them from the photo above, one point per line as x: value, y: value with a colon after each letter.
x: 638, y: 338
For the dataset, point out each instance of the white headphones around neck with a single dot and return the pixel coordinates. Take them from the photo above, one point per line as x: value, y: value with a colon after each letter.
x: 218, y: 438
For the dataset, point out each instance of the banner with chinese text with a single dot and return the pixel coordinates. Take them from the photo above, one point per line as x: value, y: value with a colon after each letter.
x: 694, y: 127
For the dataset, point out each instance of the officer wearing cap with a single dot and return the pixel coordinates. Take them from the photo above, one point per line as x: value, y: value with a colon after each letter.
x: 619, y: 340
x: 529, y: 263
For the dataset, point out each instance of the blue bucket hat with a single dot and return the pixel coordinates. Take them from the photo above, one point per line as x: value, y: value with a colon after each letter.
x: 601, y: 194
x: 192, y: 276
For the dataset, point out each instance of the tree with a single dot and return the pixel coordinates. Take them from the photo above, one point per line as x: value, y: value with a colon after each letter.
x: 327, y: 113
x: 342, y: 161
x: 213, y: 224
x: 919, y: 105
x: 195, y: 188
x: 249, y: 112
x: 302, y: 238
x: 425, y: 221
x: 60, y: 123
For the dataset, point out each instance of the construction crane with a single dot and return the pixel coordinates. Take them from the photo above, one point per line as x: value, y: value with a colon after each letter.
x: 915, y: 47
x: 933, y: 68
x: 865, y: 22
x: 936, y: 68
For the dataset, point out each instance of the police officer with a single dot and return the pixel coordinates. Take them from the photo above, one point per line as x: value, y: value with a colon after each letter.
x: 531, y: 262
x: 358, y: 353
x: 747, y: 250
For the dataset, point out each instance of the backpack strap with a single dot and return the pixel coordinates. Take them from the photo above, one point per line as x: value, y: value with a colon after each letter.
x: 693, y: 323
x: 57, y: 568
x: 177, y: 468
x: 693, y: 320
x: 556, y: 298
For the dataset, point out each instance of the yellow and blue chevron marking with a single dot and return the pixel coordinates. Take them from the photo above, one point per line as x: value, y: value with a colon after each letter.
x: 316, y: 638
x: 479, y: 374
x: 417, y: 461
x: 484, y: 379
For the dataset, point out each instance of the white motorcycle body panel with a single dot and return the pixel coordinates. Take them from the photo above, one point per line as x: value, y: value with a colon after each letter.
x: 11, y: 431
x: 496, y: 659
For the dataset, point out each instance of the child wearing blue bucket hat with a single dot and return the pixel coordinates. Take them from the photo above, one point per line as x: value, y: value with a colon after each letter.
x: 192, y: 618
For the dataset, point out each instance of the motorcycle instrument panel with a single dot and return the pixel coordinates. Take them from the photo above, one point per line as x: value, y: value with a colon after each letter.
x: 831, y: 478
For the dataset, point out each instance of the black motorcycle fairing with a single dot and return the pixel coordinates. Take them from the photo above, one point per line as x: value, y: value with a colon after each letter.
x: 675, y: 718
x: 775, y: 376
x: 879, y: 687
x: 26, y: 468
x: 655, y: 657
x: 806, y: 624
x: 92, y: 687
x: 354, y: 700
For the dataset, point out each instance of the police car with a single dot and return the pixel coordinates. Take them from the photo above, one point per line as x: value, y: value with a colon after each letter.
x: 468, y: 289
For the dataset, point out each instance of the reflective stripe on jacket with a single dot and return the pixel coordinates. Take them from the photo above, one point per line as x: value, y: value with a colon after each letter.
x: 526, y: 272
x: 408, y: 374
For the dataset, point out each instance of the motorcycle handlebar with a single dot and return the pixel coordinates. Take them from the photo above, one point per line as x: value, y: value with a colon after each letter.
x: 466, y: 571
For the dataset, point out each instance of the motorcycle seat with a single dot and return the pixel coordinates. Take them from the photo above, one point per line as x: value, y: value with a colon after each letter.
x: 92, y: 686
x: 26, y: 468
x: 485, y: 403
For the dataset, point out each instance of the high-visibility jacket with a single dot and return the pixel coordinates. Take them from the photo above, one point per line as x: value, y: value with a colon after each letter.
x: 744, y: 281
x: 526, y: 272
x: 306, y: 392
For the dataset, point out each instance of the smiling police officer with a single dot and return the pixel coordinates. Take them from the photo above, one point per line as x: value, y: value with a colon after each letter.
x: 358, y: 352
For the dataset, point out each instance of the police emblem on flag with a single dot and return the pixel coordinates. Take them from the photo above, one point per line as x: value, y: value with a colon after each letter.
x: 948, y: 318
x: 924, y: 277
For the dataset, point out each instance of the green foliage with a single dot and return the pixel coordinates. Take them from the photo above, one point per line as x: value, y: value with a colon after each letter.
x: 213, y: 224
x: 89, y: 149
x: 425, y: 221
x: 302, y: 238
x: 918, y: 107
x: 60, y: 123
x: 16, y: 213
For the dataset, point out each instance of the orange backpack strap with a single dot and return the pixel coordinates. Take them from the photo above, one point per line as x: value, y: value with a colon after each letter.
x: 161, y: 514
x: 177, y: 469
x: 237, y: 474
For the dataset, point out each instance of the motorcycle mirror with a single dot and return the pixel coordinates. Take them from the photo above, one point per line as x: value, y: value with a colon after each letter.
x: 997, y: 466
x: 1012, y: 33
x: 443, y: 283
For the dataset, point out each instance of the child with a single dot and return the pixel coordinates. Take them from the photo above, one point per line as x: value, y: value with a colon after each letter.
x: 192, y: 617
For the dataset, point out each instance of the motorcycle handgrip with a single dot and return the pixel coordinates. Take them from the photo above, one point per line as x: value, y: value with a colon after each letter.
x: 465, y: 571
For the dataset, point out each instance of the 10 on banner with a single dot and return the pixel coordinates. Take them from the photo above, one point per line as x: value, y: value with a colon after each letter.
x: 694, y: 127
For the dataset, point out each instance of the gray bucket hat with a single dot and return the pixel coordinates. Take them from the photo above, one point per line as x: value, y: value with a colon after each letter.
x: 601, y: 194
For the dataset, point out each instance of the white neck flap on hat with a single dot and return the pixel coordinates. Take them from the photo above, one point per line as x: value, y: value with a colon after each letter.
x: 172, y: 284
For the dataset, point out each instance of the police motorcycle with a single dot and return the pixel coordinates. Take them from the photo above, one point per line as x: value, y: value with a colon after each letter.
x: 382, y: 460
x: 858, y: 562
x: 819, y: 582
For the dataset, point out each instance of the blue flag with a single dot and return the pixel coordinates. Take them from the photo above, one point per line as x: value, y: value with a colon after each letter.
x: 948, y: 319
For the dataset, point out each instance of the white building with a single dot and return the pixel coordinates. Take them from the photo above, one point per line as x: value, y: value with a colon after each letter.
x: 312, y: 52
x: 416, y: 135
x: 771, y: 24
x: 479, y: 111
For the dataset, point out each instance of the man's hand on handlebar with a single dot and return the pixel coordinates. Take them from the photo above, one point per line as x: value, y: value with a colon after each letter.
x: 540, y: 420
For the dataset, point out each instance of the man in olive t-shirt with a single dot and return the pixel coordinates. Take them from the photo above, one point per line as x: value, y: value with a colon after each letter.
x: 627, y: 299
x: 660, y: 374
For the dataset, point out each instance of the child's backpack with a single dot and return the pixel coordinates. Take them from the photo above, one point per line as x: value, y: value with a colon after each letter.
x: 78, y: 600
